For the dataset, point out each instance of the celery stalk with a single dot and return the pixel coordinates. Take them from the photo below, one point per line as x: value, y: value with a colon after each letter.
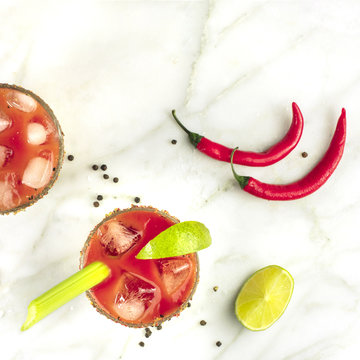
x: 68, y: 289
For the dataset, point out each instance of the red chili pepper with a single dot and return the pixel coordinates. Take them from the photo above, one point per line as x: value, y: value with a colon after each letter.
x: 249, y: 158
x: 308, y: 184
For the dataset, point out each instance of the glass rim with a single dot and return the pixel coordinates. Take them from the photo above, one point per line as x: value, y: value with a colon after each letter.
x: 55, y: 174
x: 93, y: 301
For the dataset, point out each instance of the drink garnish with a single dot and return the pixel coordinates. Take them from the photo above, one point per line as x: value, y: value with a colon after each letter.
x: 180, y: 239
x: 264, y: 297
x: 68, y: 289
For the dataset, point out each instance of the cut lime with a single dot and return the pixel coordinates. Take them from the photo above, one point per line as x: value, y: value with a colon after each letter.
x: 180, y: 239
x: 264, y: 297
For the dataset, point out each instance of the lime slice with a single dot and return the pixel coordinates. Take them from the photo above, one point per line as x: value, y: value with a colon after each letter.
x: 264, y: 297
x: 180, y: 239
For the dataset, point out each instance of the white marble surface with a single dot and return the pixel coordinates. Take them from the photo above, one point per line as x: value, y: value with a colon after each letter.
x: 112, y: 71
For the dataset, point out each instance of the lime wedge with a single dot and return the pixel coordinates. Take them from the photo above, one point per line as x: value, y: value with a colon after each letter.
x: 264, y: 297
x: 180, y: 239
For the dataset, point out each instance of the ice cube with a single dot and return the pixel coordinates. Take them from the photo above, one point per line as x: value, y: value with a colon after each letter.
x: 131, y: 309
x: 174, y: 272
x: 49, y: 125
x: 5, y: 122
x: 36, y: 134
x: 5, y: 154
x: 9, y: 197
x: 21, y: 101
x: 37, y: 172
x: 118, y: 238
x: 135, y: 296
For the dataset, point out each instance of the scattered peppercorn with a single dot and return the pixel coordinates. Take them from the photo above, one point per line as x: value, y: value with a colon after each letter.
x: 137, y: 199
x: 96, y: 204
x: 103, y: 167
x: 141, y: 343
x: 99, y: 197
x: 95, y: 167
x: 115, y: 179
x: 173, y: 141
x: 188, y: 304
x: 202, y: 322
x: 218, y: 343
x: 161, y: 315
x: 71, y: 157
x: 304, y: 154
x: 106, y: 176
x: 54, y: 169
x: 215, y: 288
x: 159, y: 327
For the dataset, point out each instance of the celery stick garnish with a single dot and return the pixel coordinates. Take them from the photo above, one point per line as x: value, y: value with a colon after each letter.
x: 68, y: 289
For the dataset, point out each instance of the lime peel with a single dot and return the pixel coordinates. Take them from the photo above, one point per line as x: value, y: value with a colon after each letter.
x: 264, y: 297
x: 180, y: 239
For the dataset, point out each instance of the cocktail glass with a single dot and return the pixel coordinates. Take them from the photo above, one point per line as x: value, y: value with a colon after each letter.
x: 138, y: 293
x: 31, y: 148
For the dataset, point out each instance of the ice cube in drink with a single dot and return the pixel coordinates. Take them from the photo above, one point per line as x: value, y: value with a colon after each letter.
x: 135, y: 296
x: 138, y: 293
x: 31, y: 148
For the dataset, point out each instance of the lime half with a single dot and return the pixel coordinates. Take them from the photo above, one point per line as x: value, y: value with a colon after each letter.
x: 180, y: 239
x: 264, y: 297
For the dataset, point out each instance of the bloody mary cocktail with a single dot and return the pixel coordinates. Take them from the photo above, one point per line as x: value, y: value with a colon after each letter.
x: 138, y: 293
x: 31, y: 148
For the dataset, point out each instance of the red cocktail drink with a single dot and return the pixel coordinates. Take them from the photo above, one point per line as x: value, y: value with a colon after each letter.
x: 31, y: 148
x: 138, y: 293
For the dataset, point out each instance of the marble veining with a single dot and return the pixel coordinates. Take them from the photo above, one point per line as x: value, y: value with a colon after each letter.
x: 112, y: 71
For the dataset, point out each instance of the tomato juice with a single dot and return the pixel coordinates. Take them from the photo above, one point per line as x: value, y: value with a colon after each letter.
x: 31, y: 148
x: 138, y: 293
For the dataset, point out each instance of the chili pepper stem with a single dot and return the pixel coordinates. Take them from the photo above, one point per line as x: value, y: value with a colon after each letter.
x: 194, y: 137
x: 242, y: 180
x: 179, y: 122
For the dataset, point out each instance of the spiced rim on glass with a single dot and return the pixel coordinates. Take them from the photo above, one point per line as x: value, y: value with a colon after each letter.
x: 31, y: 148
x: 138, y: 293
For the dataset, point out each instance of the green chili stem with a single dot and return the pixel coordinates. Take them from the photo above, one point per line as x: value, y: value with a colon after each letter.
x: 179, y: 123
x: 194, y: 137
x: 68, y: 289
x: 242, y: 180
